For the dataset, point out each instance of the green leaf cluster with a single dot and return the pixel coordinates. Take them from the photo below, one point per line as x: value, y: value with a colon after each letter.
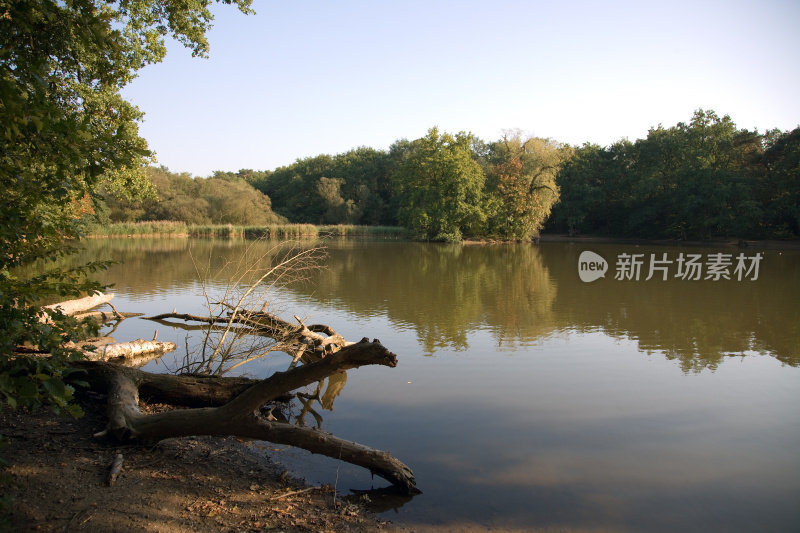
x: 65, y: 131
x: 31, y: 380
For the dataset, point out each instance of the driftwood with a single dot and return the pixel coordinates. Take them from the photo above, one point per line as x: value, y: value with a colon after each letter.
x: 104, y: 317
x: 135, y: 352
x: 131, y: 353
x: 296, y: 339
x: 104, y: 348
x: 241, y: 416
x: 233, y: 406
x: 73, y: 307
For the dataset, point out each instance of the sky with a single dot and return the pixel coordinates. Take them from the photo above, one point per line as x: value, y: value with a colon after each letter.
x: 310, y: 77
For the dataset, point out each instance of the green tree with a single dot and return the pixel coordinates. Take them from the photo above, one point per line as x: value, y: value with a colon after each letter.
x: 225, y: 199
x: 235, y: 202
x: 293, y: 189
x: 781, y: 186
x: 581, y: 192
x: 65, y: 130
x: 330, y: 189
x: 303, y: 192
x: 440, y: 187
x: 522, y: 185
x: 366, y: 185
x: 696, y: 180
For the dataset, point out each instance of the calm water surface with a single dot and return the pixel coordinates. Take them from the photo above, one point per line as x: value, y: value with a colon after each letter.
x: 525, y: 398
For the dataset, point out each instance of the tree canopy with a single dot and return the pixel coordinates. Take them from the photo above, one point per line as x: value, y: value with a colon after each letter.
x: 65, y: 130
x: 225, y: 198
x: 697, y: 180
x: 440, y: 187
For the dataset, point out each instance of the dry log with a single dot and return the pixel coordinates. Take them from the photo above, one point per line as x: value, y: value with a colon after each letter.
x: 187, y: 391
x: 296, y: 340
x: 241, y: 415
x: 72, y: 307
x: 104, y: 317
x: 135, y: 352
x: 129, y: 350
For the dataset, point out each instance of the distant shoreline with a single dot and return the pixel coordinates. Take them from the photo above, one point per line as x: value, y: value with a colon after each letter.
x: 310, y: 231
x: 732, y: 243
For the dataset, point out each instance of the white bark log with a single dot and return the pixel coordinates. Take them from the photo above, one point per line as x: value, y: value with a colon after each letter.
x: 72, y: 307
x: 134, y: 350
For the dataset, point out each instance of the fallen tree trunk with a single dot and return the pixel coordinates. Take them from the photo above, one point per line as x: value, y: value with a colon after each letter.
x: 104, y: 317
x: 135, y: 352
x: 240, y: 415
x: 296, y: 339
x: 73, y: 307
x: 137, y: 349
x: 232, y: 406
x: 181, y: 390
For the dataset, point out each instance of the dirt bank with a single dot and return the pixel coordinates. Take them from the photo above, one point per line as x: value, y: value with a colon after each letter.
x: 56, y: 478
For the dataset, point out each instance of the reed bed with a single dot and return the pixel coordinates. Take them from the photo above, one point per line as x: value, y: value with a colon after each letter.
x: 151, y: 227
x: 231, y: 231
x: 349, y: 230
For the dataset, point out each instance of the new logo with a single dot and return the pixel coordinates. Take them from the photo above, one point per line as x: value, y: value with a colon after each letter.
x: 591, y: 266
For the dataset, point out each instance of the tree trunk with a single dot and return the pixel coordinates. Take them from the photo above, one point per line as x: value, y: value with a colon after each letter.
x: 73, y: 307
x: 127, y: 351
x: 135, y: 352
x: 232, y: 406
x: 240, y: 415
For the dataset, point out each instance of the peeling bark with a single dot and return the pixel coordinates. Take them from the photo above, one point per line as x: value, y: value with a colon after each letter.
x: 135, y: 350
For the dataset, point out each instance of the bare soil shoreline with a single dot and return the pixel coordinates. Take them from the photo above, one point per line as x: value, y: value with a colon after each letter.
x: 56, y: 480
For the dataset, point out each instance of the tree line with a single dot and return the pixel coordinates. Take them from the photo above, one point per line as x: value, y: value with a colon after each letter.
x: 698, y: 180
x: 441, y: 187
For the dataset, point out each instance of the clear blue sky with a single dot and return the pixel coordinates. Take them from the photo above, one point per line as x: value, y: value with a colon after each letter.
x: 304, y: 78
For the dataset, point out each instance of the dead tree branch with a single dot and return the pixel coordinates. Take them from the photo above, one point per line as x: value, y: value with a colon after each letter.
x: 240, y: 416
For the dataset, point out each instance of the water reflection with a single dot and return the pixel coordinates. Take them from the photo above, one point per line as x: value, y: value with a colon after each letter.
x: 697, y: 323
x: 548, y: 402
x: 444, y: 292
x: 517, y: 294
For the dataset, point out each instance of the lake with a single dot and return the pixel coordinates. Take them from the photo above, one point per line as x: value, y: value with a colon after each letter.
x: 526, y: 398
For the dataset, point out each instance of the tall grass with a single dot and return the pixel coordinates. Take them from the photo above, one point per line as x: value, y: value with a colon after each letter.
x: 154, y: 227
x: 216, y: 231
x: 349, y: 230
x: 230, y: 231
x: 282, y: 231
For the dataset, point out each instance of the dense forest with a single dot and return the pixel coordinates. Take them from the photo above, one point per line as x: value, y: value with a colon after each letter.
x: 698, y: 180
